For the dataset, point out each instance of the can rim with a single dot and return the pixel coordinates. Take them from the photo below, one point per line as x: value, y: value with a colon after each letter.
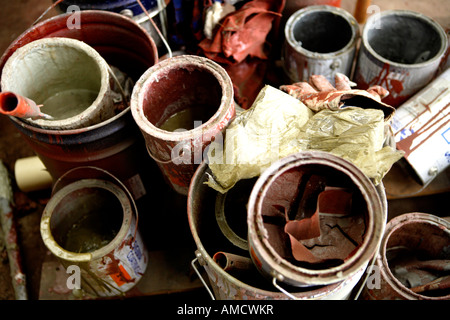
x: 61, y: 42
x: 302, y: 276
x: 69, y: 256
x: 408, y: 13
x: 151, y: 75
x: 292, y: 21
x: 395, y: 224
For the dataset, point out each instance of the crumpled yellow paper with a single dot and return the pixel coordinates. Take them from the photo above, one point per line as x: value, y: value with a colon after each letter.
x: 278, y: 125
x: 355, y: 134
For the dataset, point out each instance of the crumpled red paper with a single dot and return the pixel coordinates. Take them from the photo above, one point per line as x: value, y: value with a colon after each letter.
x: 243, y: 32
x: 310, y: 221
x: 320, y: 94
x: 334, y: 203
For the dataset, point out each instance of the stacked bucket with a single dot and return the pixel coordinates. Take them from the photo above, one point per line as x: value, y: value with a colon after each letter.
x: 90, y: 145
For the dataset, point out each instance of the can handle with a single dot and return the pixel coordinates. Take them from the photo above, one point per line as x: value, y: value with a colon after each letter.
x: 163, y: 39
x: 201, y: 278
x: 288, y: 294
x: 46, y: 11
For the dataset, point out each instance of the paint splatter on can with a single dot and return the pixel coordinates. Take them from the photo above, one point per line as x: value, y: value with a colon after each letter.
x: 401, y: 51
x: 421, y: 128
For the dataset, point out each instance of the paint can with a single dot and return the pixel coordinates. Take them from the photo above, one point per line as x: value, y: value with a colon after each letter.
x: 129, y: 8
x: 401, y: 51
x: 421, y: 128
x: 67, y: 77
x: 90, y: 225
x: 294, y: 5
x: 319, y: 40
x: 115, y: 144
x: 226, y: 285
x: 180, y: 104
x: 408, y: 237
x: 367, y: 209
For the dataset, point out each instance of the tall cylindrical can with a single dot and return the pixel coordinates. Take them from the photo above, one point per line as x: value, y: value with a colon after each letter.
x: 401, y: 51
x: 320, y: 40
x: 180, y: 105
x: 266, y: 240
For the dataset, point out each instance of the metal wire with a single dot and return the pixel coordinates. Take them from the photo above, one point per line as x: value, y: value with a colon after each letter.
x: 163, y: 39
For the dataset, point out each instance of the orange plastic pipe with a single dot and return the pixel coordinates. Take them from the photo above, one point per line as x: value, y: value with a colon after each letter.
x: 13, y: 104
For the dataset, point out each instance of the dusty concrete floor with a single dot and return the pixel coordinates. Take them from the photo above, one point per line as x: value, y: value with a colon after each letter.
x: 17, y: 16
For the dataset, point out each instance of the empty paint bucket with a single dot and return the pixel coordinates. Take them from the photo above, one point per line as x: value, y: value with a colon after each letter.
x: 114, y: 5
x: 413, y: 260
x: 90, y: 225
x: 180, y: 104
x: 67, y: 77
x: 294, y: 5
x: 249, y: 284
x: 115, y: 144
x: 346, y: 240
x: 319, y: 40
x: 400, y: 51
x: 128, y: 8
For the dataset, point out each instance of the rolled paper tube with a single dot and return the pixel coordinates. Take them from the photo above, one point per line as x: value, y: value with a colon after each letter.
x: 31, y: 174
x: 230, y: 262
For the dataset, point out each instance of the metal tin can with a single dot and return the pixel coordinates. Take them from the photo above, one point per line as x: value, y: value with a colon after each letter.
x: 320, y: 40
x: 406, y: 238
x: 91, y: 224
x: 401, y: 51
x: 251, y: 285
x: 156, y: 9
x: 68, y: 77
x: 421, y: 128
x: 270, y: 261
x: 195, y: 91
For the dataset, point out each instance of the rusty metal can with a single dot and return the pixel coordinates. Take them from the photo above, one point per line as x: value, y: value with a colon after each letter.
x: 411, y: 240
x: 320, y: 40
x: 401, y: 51
x: 225, y: 285
x: 367, y: 200
x: 180, y: 105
